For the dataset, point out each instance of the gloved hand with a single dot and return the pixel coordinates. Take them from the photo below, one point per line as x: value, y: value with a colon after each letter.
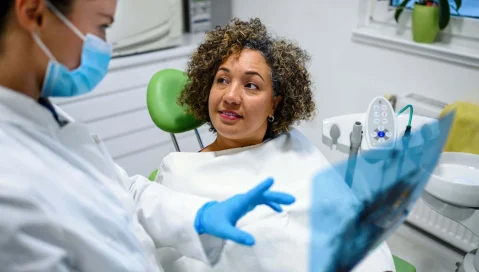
x: 219, y: 218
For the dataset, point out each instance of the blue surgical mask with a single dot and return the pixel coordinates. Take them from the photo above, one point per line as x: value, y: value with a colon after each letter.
x: 59, y: 80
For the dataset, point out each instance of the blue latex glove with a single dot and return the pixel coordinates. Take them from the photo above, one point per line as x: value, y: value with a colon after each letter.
x: 219, y: 218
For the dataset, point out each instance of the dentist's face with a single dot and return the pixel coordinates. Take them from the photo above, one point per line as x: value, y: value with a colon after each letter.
x: 241, y: 97
x: 89, y: 16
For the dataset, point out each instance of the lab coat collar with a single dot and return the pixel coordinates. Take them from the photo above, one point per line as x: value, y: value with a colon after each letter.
x: 21, y: 110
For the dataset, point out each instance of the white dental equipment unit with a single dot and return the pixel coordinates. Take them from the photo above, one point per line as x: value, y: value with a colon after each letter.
x: 147, y: 25
x: 453, y: 190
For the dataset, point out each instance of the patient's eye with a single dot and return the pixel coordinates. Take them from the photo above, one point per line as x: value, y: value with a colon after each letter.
x: 222, y: 80
x: 251, y: 86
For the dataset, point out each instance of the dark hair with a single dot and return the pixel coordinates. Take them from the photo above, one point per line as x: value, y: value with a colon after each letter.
x: 286, y: 59
x: 6, y: 7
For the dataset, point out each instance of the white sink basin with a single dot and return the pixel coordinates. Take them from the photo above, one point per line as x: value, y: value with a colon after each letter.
x: 456, y: 179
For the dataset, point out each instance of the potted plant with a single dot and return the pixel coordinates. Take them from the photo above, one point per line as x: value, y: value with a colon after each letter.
x: 428, y: 17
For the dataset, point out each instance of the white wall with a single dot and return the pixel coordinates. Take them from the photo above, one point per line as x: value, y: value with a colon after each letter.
x: 347, y: 75
x: 341, y: 69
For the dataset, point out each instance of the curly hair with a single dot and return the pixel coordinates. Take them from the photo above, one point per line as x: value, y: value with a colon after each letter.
x: 286, y: 60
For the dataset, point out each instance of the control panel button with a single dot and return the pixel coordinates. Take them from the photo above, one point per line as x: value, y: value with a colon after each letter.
x: 389, y: 134
x: 376, y: 107
x: 376, y: 121
x: 381, y: 134
x: 384, y: 107
x: 385, y: 114
x: 385, y: 121
x: 374, y: 134
x: 376, y: 114
x: 381, y: 140
x: 381, y: 128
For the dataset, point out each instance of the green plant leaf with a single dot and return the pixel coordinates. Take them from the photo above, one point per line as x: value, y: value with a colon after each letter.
x: 400, y: 9
x: 444, y: 13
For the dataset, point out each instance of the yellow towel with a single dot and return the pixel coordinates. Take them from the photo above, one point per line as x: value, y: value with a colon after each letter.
x: 464, y: 134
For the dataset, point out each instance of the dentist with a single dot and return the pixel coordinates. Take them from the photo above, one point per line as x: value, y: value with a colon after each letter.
x: 65, y: 205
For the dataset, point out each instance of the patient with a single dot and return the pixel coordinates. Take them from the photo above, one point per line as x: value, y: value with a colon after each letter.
x: 251, y: 88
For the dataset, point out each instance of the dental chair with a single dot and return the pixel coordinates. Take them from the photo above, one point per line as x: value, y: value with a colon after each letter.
x: 161, y: 99
x: 162, y: 94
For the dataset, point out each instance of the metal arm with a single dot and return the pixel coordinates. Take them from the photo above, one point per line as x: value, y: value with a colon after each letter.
x: 198, y: 137
x: 175, y: 142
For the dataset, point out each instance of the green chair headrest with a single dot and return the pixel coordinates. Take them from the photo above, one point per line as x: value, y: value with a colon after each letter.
x: 400, y: 264
x: 162, y: 94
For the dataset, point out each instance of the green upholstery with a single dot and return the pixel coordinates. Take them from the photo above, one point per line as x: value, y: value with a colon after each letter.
x: 162, y: 94
x: 161, y: 98
x: 403, y: 266
x: 153, y: 174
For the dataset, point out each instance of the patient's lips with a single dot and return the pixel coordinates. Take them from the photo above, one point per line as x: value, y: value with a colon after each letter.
x: 230, y: 115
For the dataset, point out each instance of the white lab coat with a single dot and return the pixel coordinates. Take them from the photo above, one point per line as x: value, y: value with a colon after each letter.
x: 282, y: 239
x: 65, y: 205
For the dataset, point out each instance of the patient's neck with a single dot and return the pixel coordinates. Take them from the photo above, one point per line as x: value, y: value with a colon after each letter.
x: 223, y: 143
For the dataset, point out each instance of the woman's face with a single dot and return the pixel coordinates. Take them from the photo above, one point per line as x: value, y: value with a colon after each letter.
x: 241, y: 97
x: 89, y: 16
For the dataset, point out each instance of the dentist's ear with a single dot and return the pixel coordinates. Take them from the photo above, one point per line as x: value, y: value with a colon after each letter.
x: 29, y: 14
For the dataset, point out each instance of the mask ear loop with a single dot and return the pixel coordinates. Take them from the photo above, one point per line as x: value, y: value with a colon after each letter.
x: 43, y: 47
x: 65, y: 20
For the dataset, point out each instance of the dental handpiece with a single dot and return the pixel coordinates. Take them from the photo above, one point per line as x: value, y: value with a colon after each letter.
x: 355, y: 139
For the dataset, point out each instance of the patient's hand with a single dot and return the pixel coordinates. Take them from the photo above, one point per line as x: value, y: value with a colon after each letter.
x: 219, y: 218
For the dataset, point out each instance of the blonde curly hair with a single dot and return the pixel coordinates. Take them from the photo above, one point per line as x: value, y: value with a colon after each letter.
x: 286, y: 60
